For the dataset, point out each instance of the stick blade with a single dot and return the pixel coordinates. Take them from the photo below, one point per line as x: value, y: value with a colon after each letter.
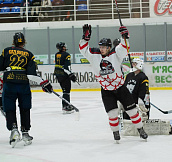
x: 170, y: 111
x: 165, y: 112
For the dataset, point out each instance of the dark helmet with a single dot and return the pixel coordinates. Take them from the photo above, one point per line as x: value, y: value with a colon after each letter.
x: 116, y: 42
x: 18, y: 39
x: 105, y: 42
x: 60, y: 46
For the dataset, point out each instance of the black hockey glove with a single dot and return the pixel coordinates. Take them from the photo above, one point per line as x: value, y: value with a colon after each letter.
x: 124, y: 32
x: 86, y: 32
x: 72, y: 77
x: 46, y: 86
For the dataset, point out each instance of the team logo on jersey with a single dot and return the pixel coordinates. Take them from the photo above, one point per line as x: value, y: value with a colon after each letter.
x: 106, y: 67
x: 130, y: 85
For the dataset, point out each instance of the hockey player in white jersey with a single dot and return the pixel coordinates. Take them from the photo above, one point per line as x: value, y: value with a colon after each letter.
x: 106, y: 63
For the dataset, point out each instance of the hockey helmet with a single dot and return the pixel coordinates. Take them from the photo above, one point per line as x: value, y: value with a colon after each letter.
x: 18, y: 39
x: 139, y: 64
x: 105, y: 42
x: 60, y: 46
x: 116, y: 42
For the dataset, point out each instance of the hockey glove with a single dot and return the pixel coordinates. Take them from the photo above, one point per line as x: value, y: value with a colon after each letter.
x: 72, y: 77
x: 124, y: 32
x: 86, y: 32
x: 46, y: 86
x: 142, y: 111
x: 142, y: 107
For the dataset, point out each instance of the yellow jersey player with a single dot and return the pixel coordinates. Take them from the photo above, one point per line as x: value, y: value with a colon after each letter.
x: 19, y: 66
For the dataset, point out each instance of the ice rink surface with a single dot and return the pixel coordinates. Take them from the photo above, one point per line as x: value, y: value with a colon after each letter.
x: 60, y: 138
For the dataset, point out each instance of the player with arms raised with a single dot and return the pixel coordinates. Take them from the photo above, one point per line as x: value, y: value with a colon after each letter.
x: 106, y: 63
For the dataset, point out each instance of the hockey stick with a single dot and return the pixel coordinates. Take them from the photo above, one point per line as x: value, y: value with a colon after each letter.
x: 77, y: 110
x: 77, y: 82
x: 164, y: 112
x: 120, y: 21
x: 69, y: 72
x: 2, y: 112
x: 121, y: 119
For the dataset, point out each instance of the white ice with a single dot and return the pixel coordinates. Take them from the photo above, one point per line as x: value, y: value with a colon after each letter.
x: 60, y: 138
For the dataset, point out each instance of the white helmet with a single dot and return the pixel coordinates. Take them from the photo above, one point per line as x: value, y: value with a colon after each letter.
x: 139, y: 65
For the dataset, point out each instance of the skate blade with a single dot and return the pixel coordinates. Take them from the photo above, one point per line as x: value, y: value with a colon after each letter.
x: 67, y: 112
x: 26, y: 143
x: 145, y: 140
x: 13, y: 144
x: 117, y: 142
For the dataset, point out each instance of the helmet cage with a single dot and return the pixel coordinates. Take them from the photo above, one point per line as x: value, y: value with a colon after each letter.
x: 139, y: 64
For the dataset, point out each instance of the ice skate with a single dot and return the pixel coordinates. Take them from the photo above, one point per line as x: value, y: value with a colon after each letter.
x: 15, y: 137
x: 26, y: 138
x: 68, y: 109
x: 116, y: 136
x: 142, y: 133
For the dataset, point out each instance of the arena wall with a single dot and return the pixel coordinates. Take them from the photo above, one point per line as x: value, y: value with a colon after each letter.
x: 159, y: 74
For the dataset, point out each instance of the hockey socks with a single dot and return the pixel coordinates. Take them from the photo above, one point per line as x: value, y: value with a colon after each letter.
x: 113, y: 120
x: 135, y: 117
x: 136, y: 120
x: 114, y: 124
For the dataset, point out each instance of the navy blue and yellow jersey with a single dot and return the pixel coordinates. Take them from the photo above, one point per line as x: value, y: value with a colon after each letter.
x: 17, y: 63
x: 62, y: 61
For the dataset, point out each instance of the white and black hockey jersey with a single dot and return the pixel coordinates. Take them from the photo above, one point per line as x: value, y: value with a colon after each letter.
x: 106, y: 69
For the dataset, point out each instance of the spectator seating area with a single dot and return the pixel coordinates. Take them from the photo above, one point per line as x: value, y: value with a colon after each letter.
x: 15, y: 9
x: 10, y: 1
x: 82, y: 7
x: 60, y: 12
x: 63, y: 10
x: 10, y: 6
x: 10, y: 11
x: 82, y: 12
